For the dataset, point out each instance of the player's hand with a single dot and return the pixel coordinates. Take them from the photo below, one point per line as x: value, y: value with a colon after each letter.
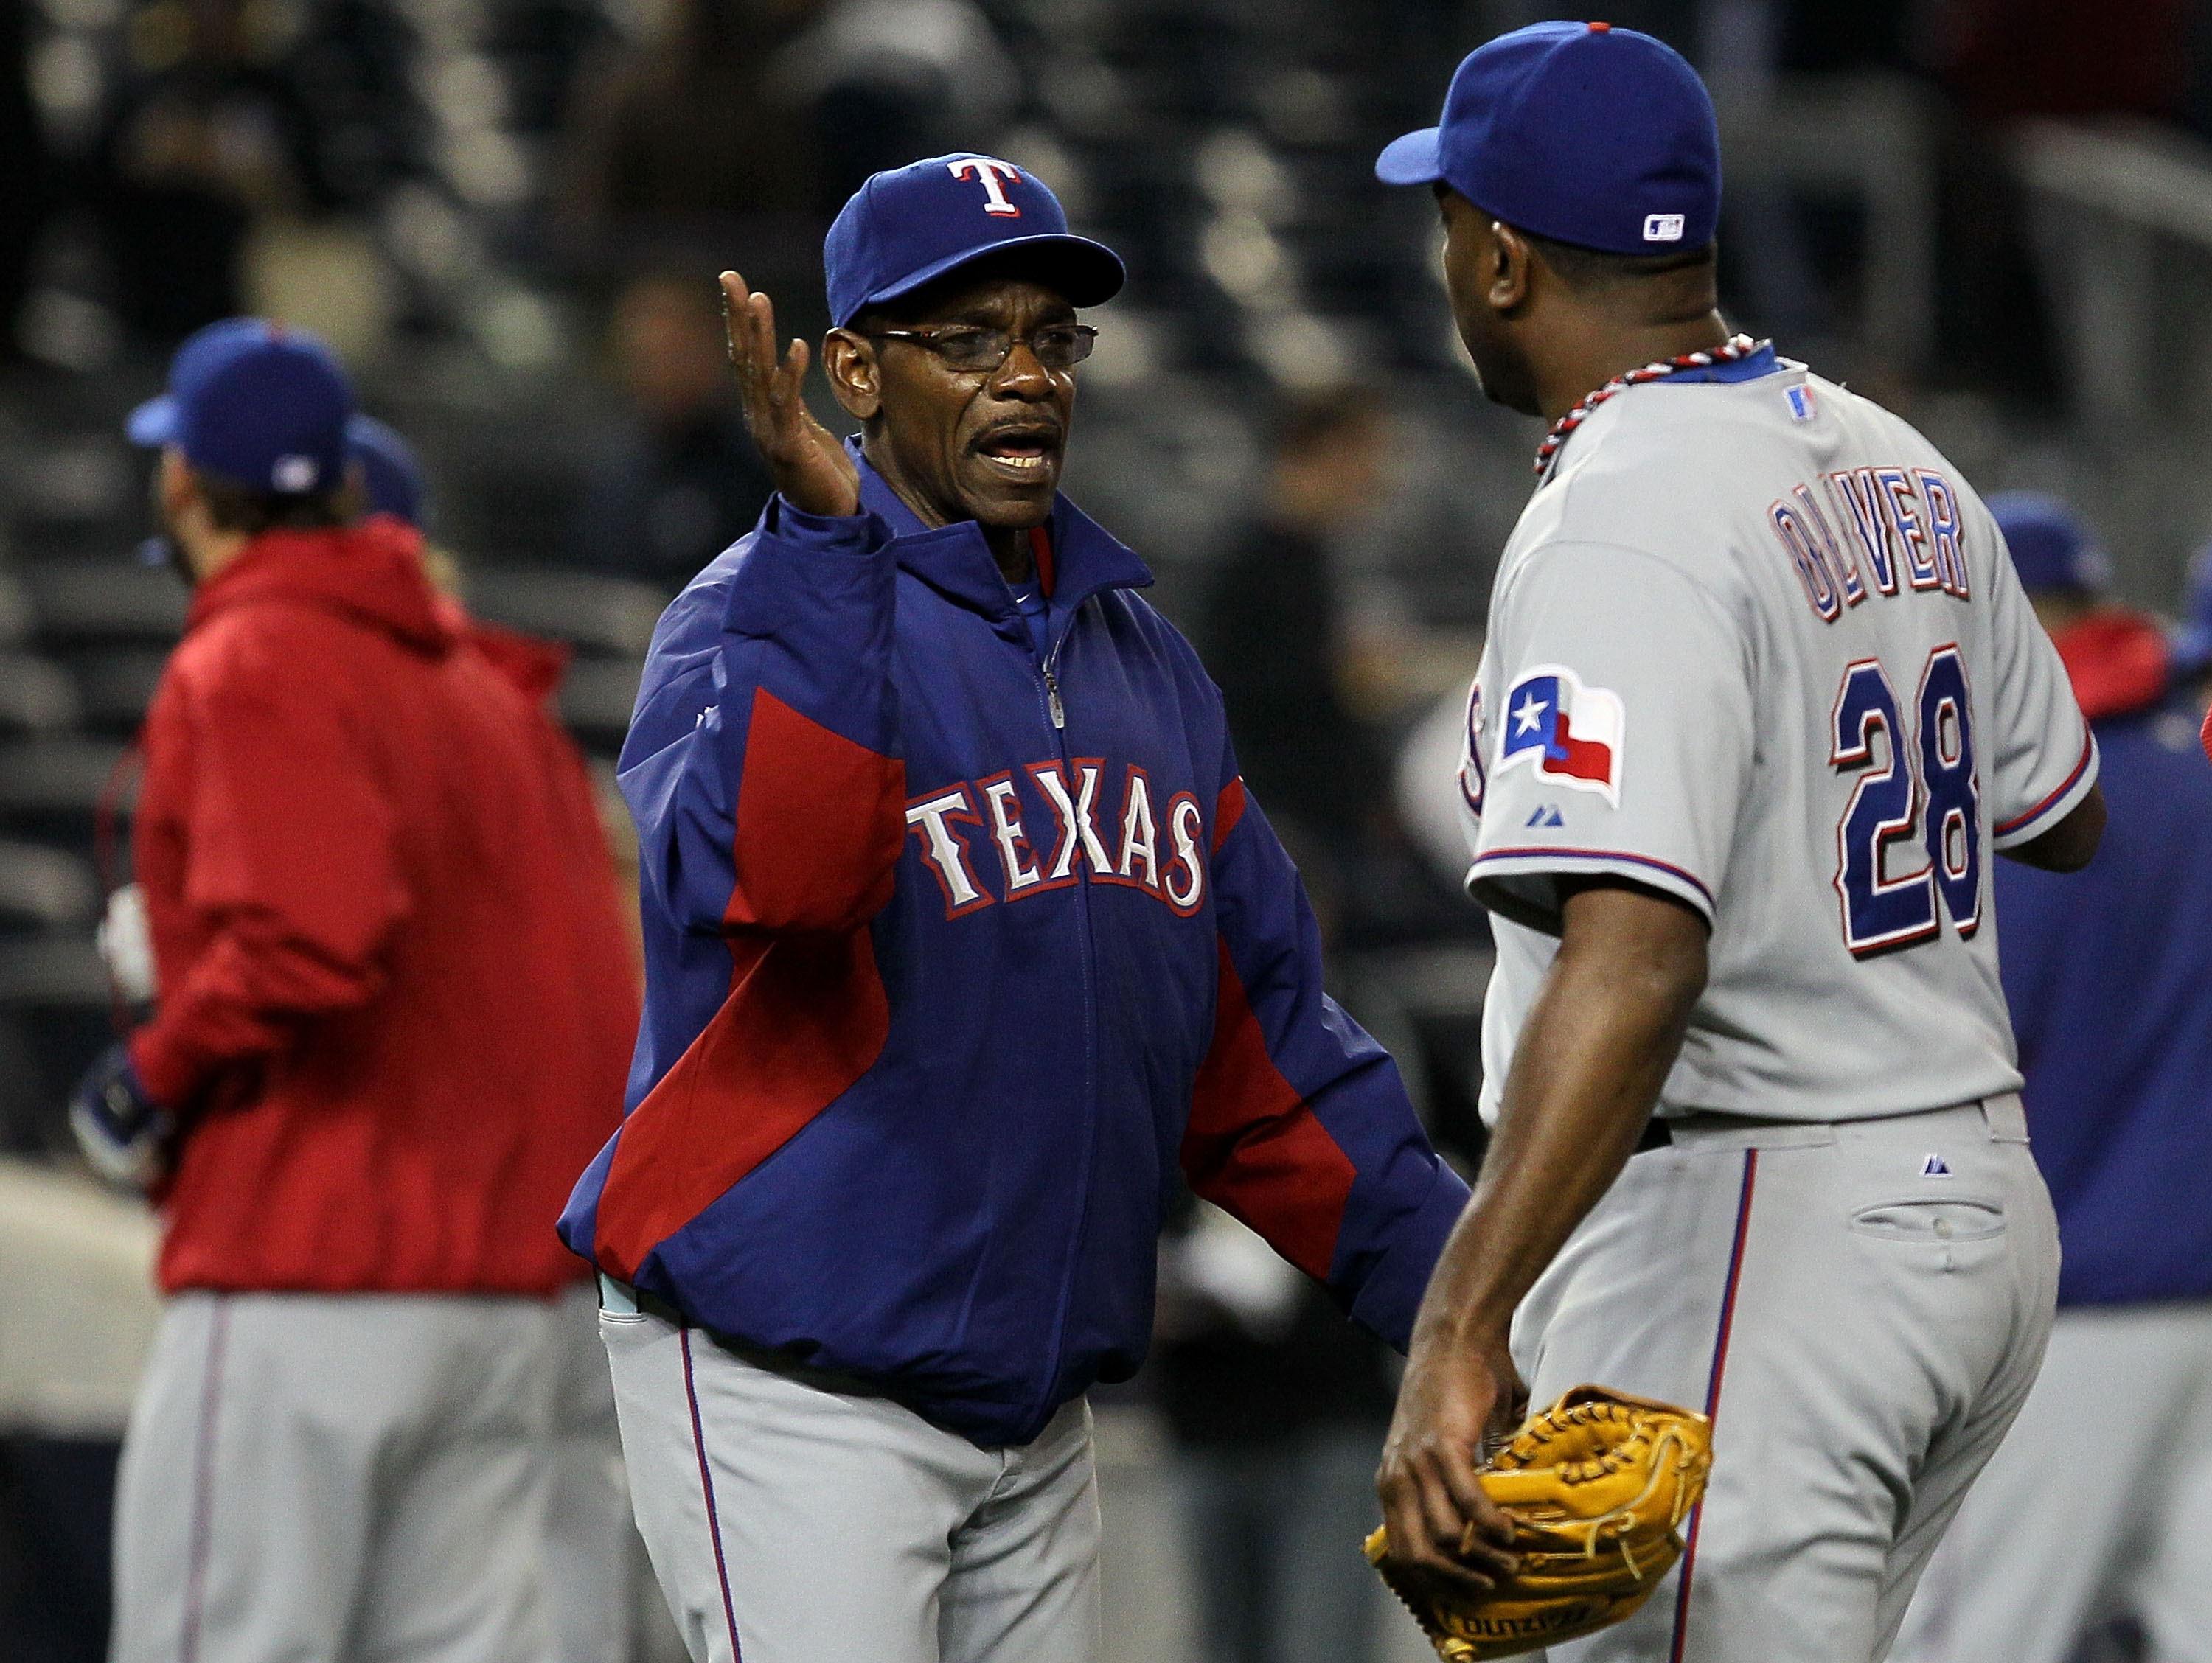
x: 127, y: 1137
x: 809, y: 467
x: 1445, y: 1532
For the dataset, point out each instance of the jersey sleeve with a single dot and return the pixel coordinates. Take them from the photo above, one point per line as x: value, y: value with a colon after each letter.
x: 295, y: 864
x: 1617, y: 738
x: 763, y: 766
x: 1300, y: 1126
x: 2046, y: 757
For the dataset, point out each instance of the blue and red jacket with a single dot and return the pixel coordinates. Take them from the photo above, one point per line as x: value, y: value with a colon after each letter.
x: 957, y: 950
x: 2109, y: 974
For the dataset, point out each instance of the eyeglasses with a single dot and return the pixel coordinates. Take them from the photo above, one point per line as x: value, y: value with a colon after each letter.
x: 974, y: 350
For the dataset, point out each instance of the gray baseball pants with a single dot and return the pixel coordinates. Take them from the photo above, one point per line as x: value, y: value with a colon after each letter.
x: 2098, y: 1504
x: 337, y: 1479
x: 789, y: 1523
x: 591, y: 1547
x: 1862, y: 1308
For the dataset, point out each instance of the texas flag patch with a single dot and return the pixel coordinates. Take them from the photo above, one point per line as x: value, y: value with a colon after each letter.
x: 1570, y: 734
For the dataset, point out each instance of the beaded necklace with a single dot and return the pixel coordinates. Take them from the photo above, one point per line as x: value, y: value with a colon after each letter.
x: 1738, y: 348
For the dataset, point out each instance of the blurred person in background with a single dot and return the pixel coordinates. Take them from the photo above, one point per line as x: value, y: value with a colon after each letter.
x: 694, y: 142
x: 392, y: 1010
x: 679, y: 482
x: 590, y: 1559
x: 2095, y: 1508
x: 2191, y: 641
x: 1277, y: 1406
x: 742, y: 125
x: 1273, y: 632
x: 207, y: 138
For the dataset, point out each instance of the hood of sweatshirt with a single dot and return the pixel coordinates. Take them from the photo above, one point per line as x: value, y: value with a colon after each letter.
x: 2117, y: 659
x: 372, y: 571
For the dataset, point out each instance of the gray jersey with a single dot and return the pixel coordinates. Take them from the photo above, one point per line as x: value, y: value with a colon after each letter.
x: 1756, y: 644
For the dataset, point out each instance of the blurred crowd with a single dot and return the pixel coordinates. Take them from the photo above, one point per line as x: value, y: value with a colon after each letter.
x: 507, y: 215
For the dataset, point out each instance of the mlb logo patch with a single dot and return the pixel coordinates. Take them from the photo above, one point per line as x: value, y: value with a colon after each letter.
x: 1570, y: 734
x: 1800, y: 400
x: 1662, y: 228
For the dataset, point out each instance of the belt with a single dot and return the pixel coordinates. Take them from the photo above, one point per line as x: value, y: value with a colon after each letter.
x: 620, y: 1299
x: 2003, y: 1118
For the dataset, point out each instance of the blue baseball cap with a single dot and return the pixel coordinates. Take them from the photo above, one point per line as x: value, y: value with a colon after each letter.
x: 262, y: 405
x: 2051, y: 546
x: 1580, y: 133
x: 2190, y: 646
x: 909, y: 226
x: 389, y: 468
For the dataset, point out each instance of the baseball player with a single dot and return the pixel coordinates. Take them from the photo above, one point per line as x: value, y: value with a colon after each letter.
x: 1759, y: 702
x: 393, y: 996
x: 2095, y: 1506
x: 962, y: 934
x: 591, y: 1555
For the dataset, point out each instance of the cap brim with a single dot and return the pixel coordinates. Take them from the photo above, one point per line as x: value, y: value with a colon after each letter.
x: 1088, y: 273
x: 1412, y: 159
x: 153, y: 423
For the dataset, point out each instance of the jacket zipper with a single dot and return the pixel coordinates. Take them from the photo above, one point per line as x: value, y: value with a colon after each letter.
x: 1058, y: 711
x: 1051, y: 690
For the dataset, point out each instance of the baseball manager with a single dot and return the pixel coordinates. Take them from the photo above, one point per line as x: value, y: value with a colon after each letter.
x: 962, y: 936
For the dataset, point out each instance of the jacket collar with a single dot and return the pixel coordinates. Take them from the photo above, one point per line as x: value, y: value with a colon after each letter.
x: 372, y: 571
x: 956, y: 562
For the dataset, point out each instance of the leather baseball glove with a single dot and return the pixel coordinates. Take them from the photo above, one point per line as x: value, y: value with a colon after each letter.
x: 1597, y: 1486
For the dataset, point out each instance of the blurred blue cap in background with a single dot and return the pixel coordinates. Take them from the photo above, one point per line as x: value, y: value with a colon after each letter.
x: 259, y: 404
x: 389, y: 468
x: 2191, y: 643
x: 2052, y: 547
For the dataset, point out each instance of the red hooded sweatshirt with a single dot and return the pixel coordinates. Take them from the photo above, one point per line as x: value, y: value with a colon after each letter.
x: 396, y: 996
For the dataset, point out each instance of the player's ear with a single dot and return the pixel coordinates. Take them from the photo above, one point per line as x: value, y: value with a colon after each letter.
x: 850, y: 362
x: 1509, y: 274
x: 180, y: 487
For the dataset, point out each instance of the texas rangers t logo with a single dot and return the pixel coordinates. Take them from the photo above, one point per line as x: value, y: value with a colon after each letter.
x: 992, y: 173
x: 1571, y: 734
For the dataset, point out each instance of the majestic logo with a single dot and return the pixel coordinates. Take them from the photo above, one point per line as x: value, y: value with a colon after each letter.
x: 993, y: 174
x: 1662, y: 228
x: 1148, y: 845
x: 1934, y: 1166
x: 1568, y: 733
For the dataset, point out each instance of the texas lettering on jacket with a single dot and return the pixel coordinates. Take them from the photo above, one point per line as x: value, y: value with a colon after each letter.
x: 1022, y: 832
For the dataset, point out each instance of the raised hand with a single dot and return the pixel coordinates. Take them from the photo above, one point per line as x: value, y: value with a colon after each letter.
x: 809, y: 466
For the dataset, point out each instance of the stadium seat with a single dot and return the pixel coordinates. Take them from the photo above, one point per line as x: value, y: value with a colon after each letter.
x: 36, y: 697
x: 50, y: 789
x: 54, y: 997
x: 612, y: 615
x: 45, y: 891
x: 596, y: 698
x: 79, y: 602
x: 16, y: 617
x: 114, y: 686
